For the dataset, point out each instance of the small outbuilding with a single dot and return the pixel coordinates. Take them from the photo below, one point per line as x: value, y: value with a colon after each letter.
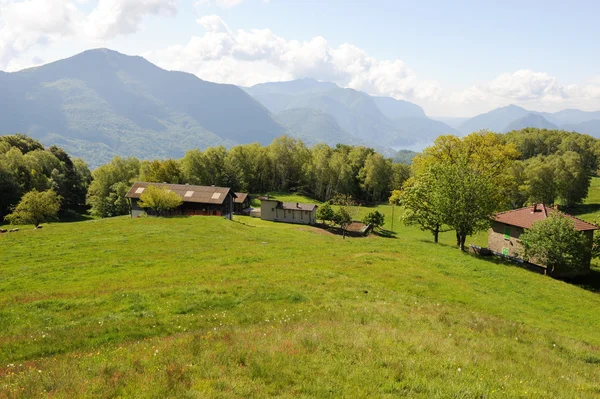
x: 241, y: 203
x: 507, y: 227
x: 197, y: 200
x: 289, y: 212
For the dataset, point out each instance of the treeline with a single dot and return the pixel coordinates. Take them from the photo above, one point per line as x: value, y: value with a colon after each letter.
x: 285, y: 165
x: 547, y: 166
x: 25, y: 165
x: 553, y: 166
x: 459, y: 183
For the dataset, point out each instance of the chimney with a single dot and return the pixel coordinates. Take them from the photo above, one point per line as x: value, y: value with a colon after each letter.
x: 535, y: 207
x: 297, y: 205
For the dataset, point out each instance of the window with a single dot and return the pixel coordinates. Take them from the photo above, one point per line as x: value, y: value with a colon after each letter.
x: 507, y: 233
x: 505, y: 251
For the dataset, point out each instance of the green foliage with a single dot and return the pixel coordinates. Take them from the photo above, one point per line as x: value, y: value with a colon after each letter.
x: 555, y: 243
x: 35, y: 208
x: 106, y: 193
x: 25, y: 165
x: 420, y: 204
x: 460, y: 183
x: 342, y: 218
x: 325, y: 212
x: 159, y: 200
x: 375, y: 218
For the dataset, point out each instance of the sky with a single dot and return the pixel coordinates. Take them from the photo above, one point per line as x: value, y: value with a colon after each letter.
x: 453, y: 58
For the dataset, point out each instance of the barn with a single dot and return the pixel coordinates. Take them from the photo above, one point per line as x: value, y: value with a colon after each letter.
x: 197, y: 200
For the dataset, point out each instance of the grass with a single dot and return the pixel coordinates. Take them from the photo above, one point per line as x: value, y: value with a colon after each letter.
x: 204, y: 307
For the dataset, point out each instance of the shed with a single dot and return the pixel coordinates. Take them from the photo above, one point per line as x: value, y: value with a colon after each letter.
x: 241, y: 203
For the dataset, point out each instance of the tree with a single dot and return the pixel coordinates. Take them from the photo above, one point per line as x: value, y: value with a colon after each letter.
x: 465, y: 180
x: 160, y: 200
x: 375, y: 218
x: 555, y: 243
x: 325, y: 212
x: 419, y: 201
x: 343, y: 219
x: 106, y: 193
x: 35, y: 208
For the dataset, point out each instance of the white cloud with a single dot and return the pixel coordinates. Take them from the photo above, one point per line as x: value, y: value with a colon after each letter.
x: 25, y: 24
x: 120, y: 17
x: 530, y: 89
x: 219, y: 3
x: 259, y: 55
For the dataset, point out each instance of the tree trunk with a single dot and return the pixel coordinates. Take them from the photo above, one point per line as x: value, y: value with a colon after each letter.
x: 457, y: 239
x: 463, y: 238
x: 436, y: 234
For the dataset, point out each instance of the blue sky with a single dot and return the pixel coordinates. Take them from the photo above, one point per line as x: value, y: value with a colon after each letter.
x: 454, y: 58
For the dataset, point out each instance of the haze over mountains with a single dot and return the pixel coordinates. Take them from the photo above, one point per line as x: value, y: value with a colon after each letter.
x: 101, y: 103
x: 513, y: 117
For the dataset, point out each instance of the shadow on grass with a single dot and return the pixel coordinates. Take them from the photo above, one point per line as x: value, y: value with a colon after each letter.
x: 70, y: 216
x: 591, y: 282
x: 384, y: 233
x: 584, y: 209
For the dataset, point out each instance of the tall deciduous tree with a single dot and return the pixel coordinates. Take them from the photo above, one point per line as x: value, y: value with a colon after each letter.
x: 464, y: 179
x: 35, y: 208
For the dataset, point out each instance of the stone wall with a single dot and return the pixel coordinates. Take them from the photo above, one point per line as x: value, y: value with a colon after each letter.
x: 498, y: 242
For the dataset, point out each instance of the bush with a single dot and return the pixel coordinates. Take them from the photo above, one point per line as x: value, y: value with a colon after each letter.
x: 555, y: 243
x: 375, y: 218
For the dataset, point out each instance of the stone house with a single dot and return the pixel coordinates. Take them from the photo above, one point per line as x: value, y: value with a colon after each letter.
x: 507, y: 227
x: 288, y: 212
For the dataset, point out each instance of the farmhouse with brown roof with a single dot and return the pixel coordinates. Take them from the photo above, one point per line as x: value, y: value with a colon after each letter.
x: 197, y: 200
x: 507, y: 227
x: 289, y: 212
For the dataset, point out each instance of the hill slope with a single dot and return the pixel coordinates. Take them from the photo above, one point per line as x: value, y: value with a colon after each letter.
x: 281, y: 308
x: 591, y: 127
x: 378, y: 121
x: 313, y: 126
x: 495, y: 120
x: 530, y: 120
x: 100, y: 103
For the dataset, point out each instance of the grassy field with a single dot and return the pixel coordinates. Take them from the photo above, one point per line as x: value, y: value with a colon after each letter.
x: 202, y: 307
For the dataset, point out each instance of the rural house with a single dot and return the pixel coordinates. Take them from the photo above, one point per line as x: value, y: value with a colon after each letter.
x: 289, y: 212
x: 197, y: 200
x: 507, y: 227
x: 241, y: 203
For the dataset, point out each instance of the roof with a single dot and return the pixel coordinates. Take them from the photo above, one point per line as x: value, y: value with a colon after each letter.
x: 241, y: 197
x: 525, y: 217
x: 291, y: 205
x: 296, y: 206
x: 188, y: 193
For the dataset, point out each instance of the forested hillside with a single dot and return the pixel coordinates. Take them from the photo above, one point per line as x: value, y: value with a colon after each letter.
x: 101, y: 103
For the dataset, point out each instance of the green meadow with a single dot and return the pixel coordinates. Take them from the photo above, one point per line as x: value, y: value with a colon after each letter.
x: 203, y: 307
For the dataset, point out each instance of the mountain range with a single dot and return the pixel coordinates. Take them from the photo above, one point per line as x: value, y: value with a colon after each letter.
x: 513, y: 117
x: 101, y: 103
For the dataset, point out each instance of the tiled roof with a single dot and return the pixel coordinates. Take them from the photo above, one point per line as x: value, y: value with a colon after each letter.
x: 241, y: 197
x: 189, y: 193
x: 525, y: 217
